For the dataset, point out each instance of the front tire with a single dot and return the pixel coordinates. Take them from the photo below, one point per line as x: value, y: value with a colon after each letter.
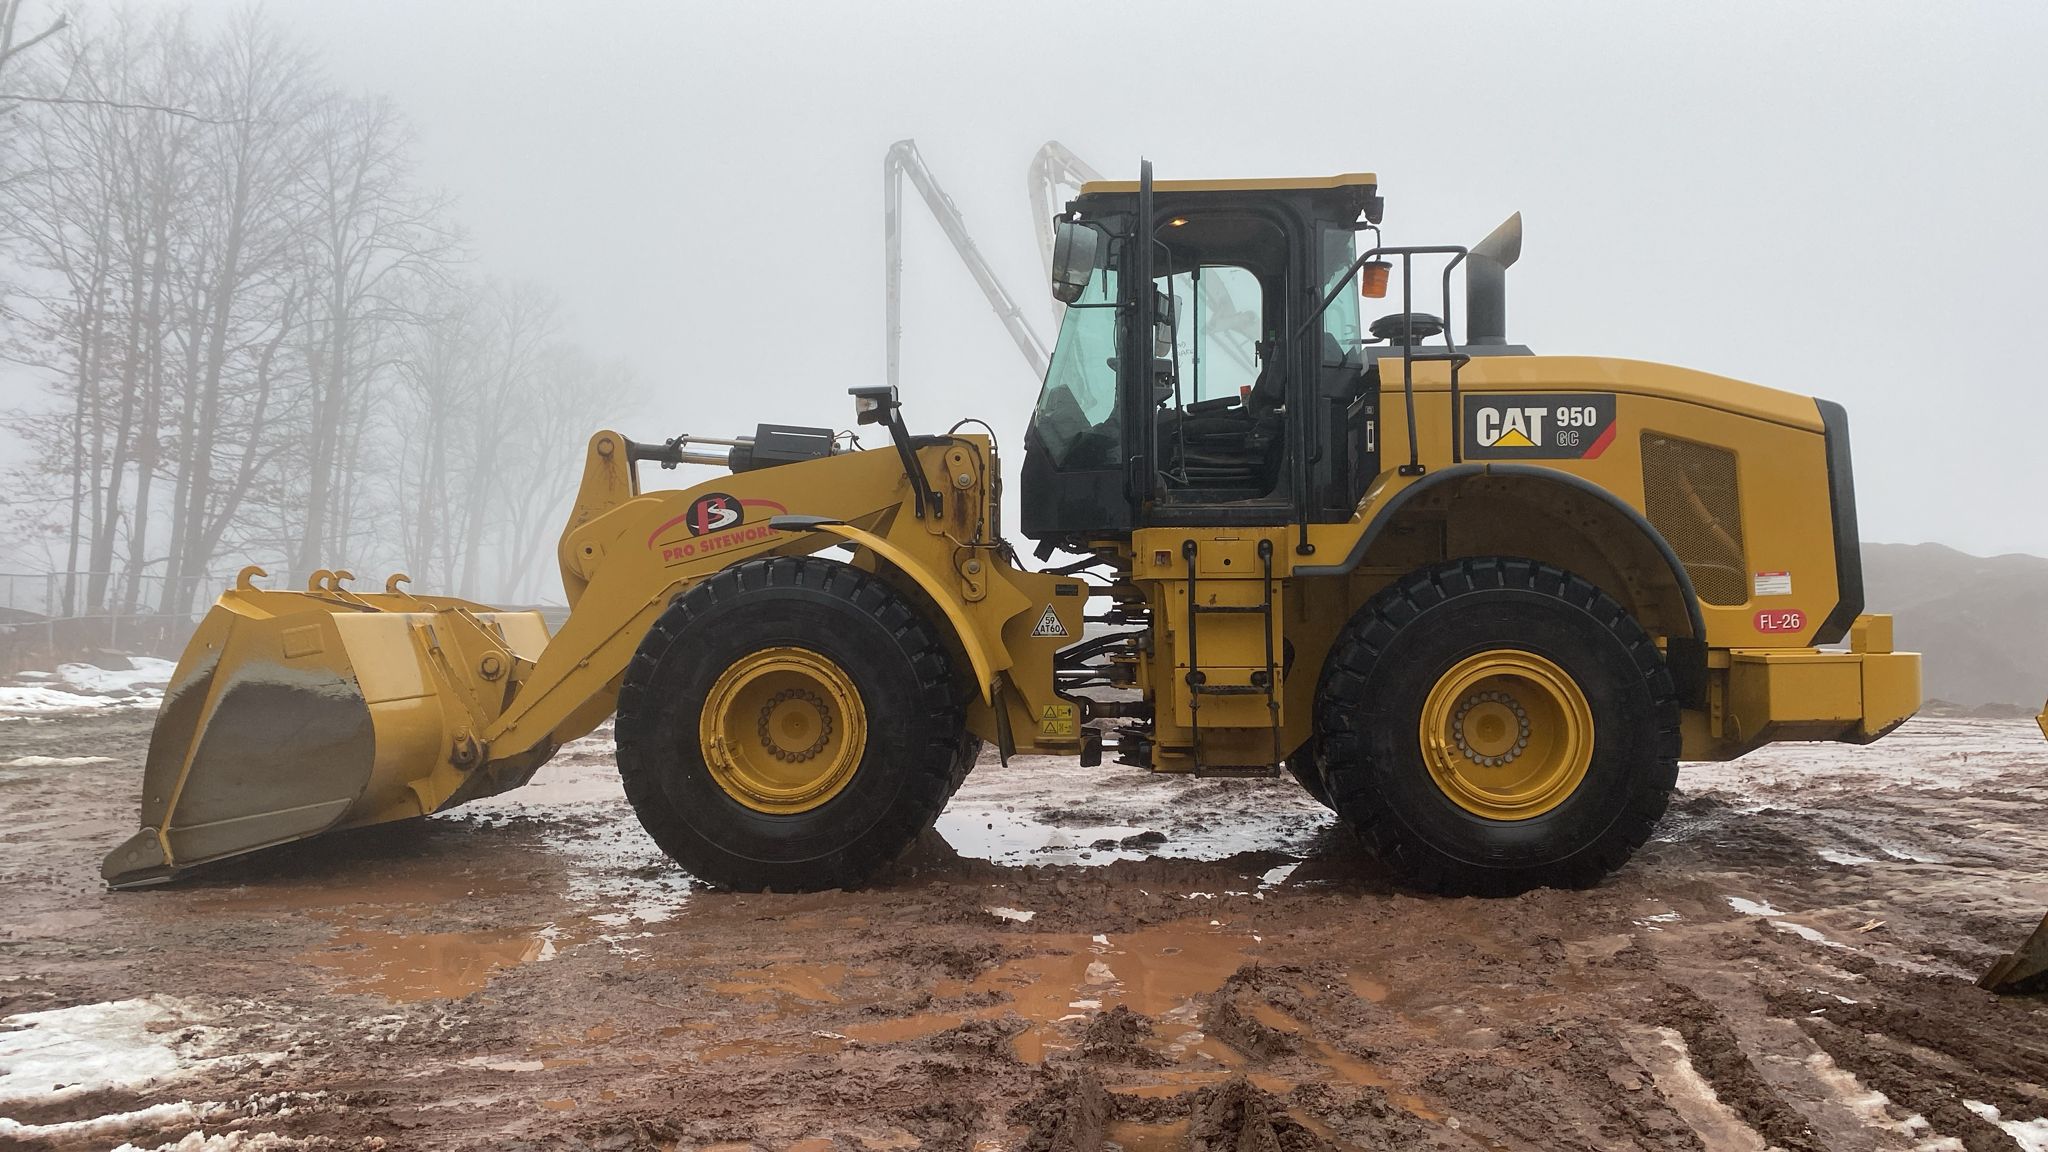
x: 788, y: 724
x: 1494, y: 725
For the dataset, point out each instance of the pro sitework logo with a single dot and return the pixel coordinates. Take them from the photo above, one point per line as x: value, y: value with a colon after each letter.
x: 1576, y: 426
x: 715, y: 521
x: 711, y: 512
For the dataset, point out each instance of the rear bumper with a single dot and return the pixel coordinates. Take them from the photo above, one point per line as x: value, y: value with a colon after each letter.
x: 1769, y: 694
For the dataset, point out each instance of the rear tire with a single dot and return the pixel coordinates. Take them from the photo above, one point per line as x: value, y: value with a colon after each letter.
x: 1419, y: 708
x: 735, y: 819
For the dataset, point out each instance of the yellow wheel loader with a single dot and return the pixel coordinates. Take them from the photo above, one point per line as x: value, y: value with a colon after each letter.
x: 1480, y: 602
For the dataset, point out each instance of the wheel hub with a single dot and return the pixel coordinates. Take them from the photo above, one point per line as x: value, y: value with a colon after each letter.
x: 1491, y: 728
x: 1507, y: 734
x: 795, y: 725
x: 783, y: 730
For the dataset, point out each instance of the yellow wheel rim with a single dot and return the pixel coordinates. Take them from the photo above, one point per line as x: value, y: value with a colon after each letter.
x: 1507, y: 734
x: 783, y: 730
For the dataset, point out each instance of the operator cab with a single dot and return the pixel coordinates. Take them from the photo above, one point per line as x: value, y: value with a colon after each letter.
x: 1192, y: 401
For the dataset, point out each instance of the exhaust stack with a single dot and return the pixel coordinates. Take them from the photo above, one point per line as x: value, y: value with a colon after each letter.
x: 1486, y: 275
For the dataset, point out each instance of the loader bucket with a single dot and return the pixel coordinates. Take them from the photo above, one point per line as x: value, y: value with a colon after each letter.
x: 292, y: 713
x: 2021, y: 972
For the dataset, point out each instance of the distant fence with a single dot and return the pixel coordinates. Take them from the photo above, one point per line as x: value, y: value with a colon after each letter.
x: 53, y: 615
x: 48, y: 617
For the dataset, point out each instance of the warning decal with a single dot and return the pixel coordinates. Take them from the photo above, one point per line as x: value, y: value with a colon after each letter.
x: 1049, y: 624
x: 1571, y: 426
x: 1773, y: 584
x: 1056, y: 721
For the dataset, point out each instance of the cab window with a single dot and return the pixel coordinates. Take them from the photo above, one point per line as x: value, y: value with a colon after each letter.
x: 1342, y: 346
x: 1076, y: 416
x: 1217, y: 325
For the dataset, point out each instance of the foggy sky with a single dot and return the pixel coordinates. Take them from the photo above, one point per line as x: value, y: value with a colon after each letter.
x: 1835, y: 199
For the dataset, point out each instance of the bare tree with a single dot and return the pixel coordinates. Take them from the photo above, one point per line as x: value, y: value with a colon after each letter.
x: 253, y: 342
x: 245, y: 287
x: 368, y: 230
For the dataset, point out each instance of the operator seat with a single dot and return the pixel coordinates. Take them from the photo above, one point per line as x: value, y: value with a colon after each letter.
x: 1231, y: 442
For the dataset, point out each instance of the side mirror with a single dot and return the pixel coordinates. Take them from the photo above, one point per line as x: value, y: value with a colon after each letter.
x: 1073, y: 258
x: 874, y: 404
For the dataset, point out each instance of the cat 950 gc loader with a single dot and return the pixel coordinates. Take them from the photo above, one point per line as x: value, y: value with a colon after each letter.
x: 1480, y: 602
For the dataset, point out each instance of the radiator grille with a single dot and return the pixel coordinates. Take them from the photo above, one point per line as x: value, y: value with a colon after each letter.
x: 1690, y: 496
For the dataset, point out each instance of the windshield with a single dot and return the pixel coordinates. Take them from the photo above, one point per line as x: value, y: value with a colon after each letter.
x: 1076, y: 417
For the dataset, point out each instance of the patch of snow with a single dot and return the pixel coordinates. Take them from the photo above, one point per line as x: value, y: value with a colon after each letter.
x: 28, y: 699
x: 125, y: 1044
x: 1812, y: 935
x: 86, y: 687
x: 1000, y: 814
x: 1017, y: 914
x: 2030, y: 1135
x: 1751, y: 907
x: 142, y: 674
x: 1275, y: 877
x: 489, y: 1064
x: 154, y: 1116
x: 1836, y: 856
x: 1868, y: 1104
x: 222, y: 1142
x: 68, y: 1052
x: 54, y: 761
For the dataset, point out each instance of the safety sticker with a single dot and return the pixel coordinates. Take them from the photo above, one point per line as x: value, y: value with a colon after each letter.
x: 1049, y: 624
x: 1575, y: 426
x: 1056, y: 720
x: 1774, y: 584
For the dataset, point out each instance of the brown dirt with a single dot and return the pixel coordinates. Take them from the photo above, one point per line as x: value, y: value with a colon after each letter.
x: 532, y: 974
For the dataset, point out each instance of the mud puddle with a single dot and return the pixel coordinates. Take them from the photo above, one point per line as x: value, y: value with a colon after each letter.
x: 1065, y: 980
x: 402, y: 966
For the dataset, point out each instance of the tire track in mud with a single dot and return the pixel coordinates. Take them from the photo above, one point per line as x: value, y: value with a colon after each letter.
x: 1932, y: 1048
x: 1717, y: 1054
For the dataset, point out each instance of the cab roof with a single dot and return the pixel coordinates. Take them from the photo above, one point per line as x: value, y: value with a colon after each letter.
x: 1277, y: 184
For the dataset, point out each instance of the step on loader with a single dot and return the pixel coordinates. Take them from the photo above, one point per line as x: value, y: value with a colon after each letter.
x: 1478, y: 601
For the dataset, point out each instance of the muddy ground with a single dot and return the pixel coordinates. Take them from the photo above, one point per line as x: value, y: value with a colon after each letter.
x: 1078, y: 958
